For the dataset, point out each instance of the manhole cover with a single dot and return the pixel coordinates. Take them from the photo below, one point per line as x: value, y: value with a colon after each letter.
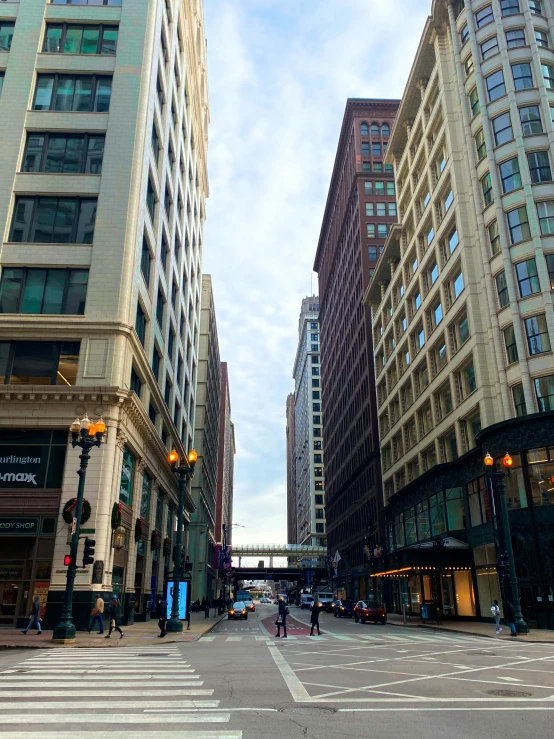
x: 510, y: 693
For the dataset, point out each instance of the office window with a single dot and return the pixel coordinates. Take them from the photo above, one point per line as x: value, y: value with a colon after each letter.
x: 390, y: 188
x: 542, y: 38
x: 459, y: 331
x: 548, y: 75
x: 433, y: 273
x: 366, y: 166
x: 155, y: 140
x: 515, y: 38
x: 458, y: 284
x: 486, y: 186
x: 392, y: 209
x: 437, y: 314
x: 370, y: 228
x: 495, y: 85
x: 151, y: 199
x: 170, y: 344
x: 535, y: 6
x: 160, y: 308
x: 468, y: 66
x: 368, y: 188
x: 140, y: 324
x: 364, y: 129
x: 43, y: 291
x: 538, y: 340
x: 135, y: 383
x: 494, y: 237
x: 156, y: 363
x: 520, y: 405
x: 539, y: 166
x: 45, y: 220
x: 62, y: 38
x: 417, y: 300
x: 464, y: 34
x: 502, y: 290
x: 372, y: 253
x: 480, y: 145
x: 474, y: 101
x: 1, y: 82
x: 369, y: 209
x: 509, y: 7
x: 6, y: 35
x: 550, y: 267
x: 545, y: 212
x: 489, y: 47
x: 502, y: 128
x: 39, y: 362
x: 375, y: 129
x: 382, y: 230
x: 518, y: 225
x: 484, y: 16
x: 376, y: 149
x: 70, y: 92
x: 510, y: 175
x: 145, y: 261
x: 381, y: 209
x: 510, y: 343
x: 530, y: 118
x: 365, y: 148
x: 379, y: 188
x: 64, y: 153
x: 544, y: 388
x: 523, y: 76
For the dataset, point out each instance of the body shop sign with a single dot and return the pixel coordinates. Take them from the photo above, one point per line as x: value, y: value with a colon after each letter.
x: 18, y: 525
x: 19, y: 469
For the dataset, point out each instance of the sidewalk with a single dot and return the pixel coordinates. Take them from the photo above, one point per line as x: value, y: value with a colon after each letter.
x: 475, y: 628
x: 139, y: 634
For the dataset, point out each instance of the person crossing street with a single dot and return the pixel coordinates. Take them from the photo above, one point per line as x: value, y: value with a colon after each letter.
x: 282, y: 618
x: 316, y: 608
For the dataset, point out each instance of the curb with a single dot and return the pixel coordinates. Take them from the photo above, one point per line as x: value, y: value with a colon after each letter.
x: 469, y: 633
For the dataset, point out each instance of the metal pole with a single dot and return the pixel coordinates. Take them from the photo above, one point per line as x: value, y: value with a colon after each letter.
x: 520, y: 624
x: 174, y: 624
x: 65, y: 630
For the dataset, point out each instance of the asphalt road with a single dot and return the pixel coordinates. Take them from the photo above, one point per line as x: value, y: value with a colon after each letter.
x: 240, y: 682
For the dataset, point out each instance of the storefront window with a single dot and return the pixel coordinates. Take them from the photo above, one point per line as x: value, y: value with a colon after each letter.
x: 515, y: 486
x: 145, y: 496
x: 488, y: 585
x: 455, y: 509
x: 399, y: 530
x: 465, y: 599
x: 541, y: 475
x: 447, y: 589
x: 423, y: 527
x: 159, y: 507
x: 437, y: 513
x: 411, y: 531
x: 126, y: 484
x: 480, y: 510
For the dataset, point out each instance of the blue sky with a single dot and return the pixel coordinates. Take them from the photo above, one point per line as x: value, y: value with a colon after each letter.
x: 280, y: 72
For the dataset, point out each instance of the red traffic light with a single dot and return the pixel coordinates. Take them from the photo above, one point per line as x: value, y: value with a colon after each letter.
x: 67, y: 560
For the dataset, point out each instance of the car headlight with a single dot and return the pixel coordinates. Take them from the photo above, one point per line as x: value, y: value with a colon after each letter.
x: 231, y: 613
x: 342, y: 608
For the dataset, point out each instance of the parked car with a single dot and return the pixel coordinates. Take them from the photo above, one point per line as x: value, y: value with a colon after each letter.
x: 237, y: 610
x: 343, y: 608
x: 306, y: 600
x: 369, y: 610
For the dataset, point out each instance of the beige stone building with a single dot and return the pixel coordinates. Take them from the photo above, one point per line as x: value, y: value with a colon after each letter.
x: 103, y: 180
x: 462, y: 305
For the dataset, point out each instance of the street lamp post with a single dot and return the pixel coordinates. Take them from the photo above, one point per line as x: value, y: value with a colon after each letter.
x: 497, y: 478
x: 85, y: 435
x: 184, y: 471
x: 225, y: 531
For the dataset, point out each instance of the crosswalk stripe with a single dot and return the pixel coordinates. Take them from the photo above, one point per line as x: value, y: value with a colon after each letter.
x: 208, y: 638
x: 317, y: 638
x: 79, y: 705
x: 90, y: 692
x: 20, y: 682
x: 200, y: 734
x: 260, y: 638
x: 234, y: 638
x: 117, y: 718
x: 123, y: 671
x: 343, y: 638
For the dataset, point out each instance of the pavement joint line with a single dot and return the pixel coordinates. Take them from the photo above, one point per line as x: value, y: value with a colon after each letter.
x: 454, y: 708
x: 496, y: 682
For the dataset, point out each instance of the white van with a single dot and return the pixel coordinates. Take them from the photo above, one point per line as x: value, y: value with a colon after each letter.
x: 326, y: 599
x: 306, y: 600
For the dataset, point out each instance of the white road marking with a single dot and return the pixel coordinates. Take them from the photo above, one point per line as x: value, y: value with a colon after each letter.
x: 297, y: 690
x: 77, y: 704
x: 207, y: 638
x: 200, y: 734
x: 343, y: 637
x: 260, y: 638
x: 511, y: 679
x: 106, y: 682
x: 234, y: 638
x: 454, y: 708
x: 115, y: 718
x: 91, y: 692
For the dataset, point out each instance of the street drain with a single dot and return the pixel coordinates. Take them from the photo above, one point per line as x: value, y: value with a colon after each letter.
x: 510, y: 693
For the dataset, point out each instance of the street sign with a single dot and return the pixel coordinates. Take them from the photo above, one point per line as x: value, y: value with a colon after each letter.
x: 337, y: 558
x: 73, y: 525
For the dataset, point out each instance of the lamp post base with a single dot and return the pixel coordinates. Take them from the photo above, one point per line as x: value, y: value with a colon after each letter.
x: 64, y: 634
x: 521, y: 627
x: 174, y: 627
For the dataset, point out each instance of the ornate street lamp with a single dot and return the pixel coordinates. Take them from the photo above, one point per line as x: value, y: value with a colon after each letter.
x: 85, y: 435
x: 184, y: 469
x: 497, y: 480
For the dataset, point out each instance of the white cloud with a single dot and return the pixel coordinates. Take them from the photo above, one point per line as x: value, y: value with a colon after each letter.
x: 280, y: 72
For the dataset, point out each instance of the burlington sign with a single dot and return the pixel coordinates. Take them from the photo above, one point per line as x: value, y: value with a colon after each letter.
x: 22, y: 470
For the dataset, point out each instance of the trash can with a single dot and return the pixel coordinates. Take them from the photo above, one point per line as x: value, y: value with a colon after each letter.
x: 429, y: 611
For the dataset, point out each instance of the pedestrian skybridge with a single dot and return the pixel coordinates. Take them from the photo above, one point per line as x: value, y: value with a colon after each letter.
x: 278, y: 550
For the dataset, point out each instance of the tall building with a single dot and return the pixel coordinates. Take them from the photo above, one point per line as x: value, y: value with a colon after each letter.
x: 291, y: 471
x: 202, y: 547
x: 104, y: 111
x: 463, y: 312
x: 308, y: 429
x: 225, y: 462
x: 360, y: 209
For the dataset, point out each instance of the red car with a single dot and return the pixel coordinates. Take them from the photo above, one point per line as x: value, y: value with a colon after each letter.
x: 369, y: 610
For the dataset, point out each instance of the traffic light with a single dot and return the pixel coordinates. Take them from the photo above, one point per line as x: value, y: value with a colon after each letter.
x: 68, y: 560
x: 502, y: 565
x: 88, y: 552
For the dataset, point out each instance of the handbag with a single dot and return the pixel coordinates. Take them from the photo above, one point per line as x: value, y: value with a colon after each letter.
x: 112, y: 623
x: 287, y: 612
x: 94, y: 612
x: 279, y: 621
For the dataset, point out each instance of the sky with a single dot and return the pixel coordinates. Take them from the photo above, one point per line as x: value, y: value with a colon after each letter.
x: 279, y: 73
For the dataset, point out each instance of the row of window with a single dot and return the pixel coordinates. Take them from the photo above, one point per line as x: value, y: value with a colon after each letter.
x: 380, y: 209
x: 510, y: 174
x: 51, y: 220
x: 518, y: 224
x: 64, y: 38
x: 527, y: 279
x: 382, y: 230
x: 375, y: 150
x: 43, y: 291
x: 378, y: 188
x: 73, y: 93
x: 375, y: 131
x: 64, y: 153
x: 503, y: 132
x: 377, y: 167
x: 514, y: 39
x: 485, y: 15
x: 522, y: 75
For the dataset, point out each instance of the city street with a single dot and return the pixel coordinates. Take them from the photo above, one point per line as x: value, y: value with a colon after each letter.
x: 239, y: 682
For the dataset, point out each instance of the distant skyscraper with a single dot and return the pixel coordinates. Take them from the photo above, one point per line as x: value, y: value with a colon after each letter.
x: 206, y: 441
x: 361, y: 207
x: 225, y: 461
x: 291, y: 472
x: 308, y: 429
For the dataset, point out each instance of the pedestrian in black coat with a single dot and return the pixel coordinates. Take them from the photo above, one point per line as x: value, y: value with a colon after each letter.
x: 162, y: 617
x: 316, y: 607
x: 115, y: 609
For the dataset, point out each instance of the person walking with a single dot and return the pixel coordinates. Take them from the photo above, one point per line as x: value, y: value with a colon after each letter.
x: 282, y: 618
x: 206, y: 603
x: 115, y: 608
x: 161, y: 613
x: 510, y: 615
x: 35, y: 616
x: 315, y: 617
x: 98, y: 615
x: 495, y: 610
